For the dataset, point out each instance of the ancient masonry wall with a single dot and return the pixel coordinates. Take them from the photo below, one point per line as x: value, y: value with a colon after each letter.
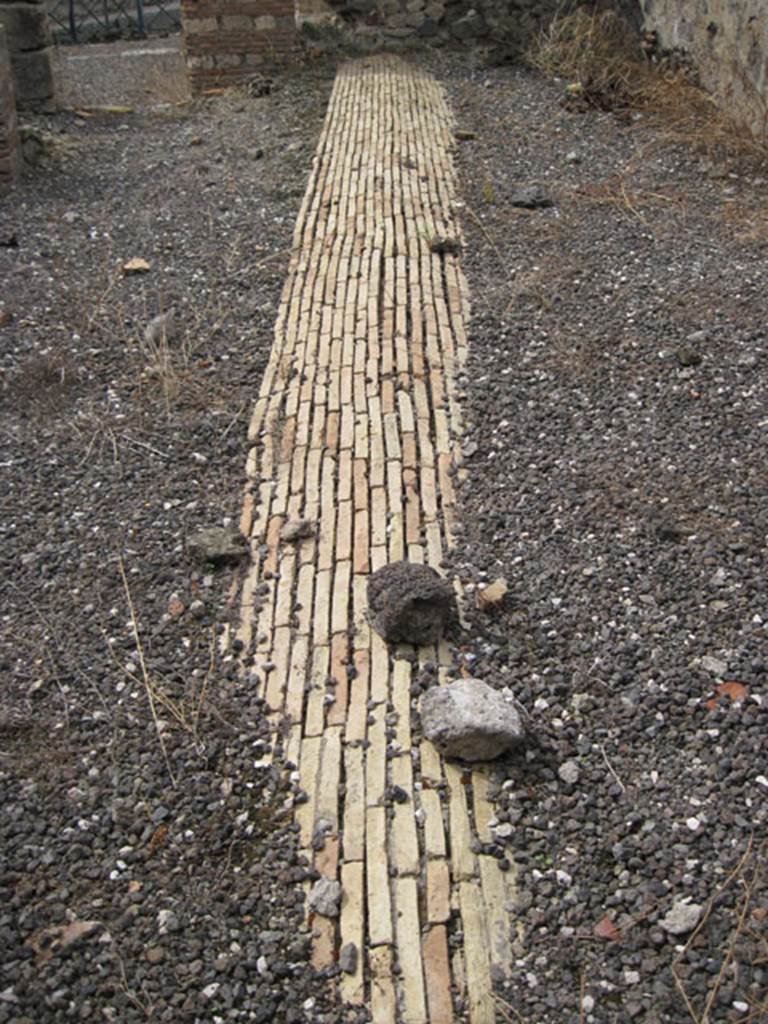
x: 227, y: 41
x: 727, y: 41
x: 494, y: 23
x: 9, y: 138
x: 31, y: 50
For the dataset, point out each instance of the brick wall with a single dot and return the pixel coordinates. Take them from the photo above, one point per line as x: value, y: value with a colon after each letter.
x: 227, y: 41
x: 31, y: 48
x: 9, y: 137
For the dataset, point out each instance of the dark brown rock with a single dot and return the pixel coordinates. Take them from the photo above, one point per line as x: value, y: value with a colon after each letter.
x: 410, y: 603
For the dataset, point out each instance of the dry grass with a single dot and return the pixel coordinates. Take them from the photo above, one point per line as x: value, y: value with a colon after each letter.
x: 600, y: 55
x: 747, y: 937
x: 651, y: 207
x: 747, y: 223
x: 44, y: 384
x: 749, y: 925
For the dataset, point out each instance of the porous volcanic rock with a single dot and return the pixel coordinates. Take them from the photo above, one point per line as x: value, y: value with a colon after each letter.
x: 410, y: 603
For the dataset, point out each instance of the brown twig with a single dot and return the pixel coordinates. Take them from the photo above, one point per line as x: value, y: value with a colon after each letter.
x: 619, y: 783
x: 582, y: 992
x: 734, y: 874
x: 144, y: 673
x: 486, y: 233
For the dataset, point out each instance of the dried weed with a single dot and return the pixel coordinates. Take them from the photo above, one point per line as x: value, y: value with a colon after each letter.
x: 601, y: 56
x: 44, y: 384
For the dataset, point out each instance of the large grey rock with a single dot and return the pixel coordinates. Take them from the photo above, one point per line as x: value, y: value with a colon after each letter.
x: 410, y: 603
x: 218, y: 545
x: 531, y: 197
x: 469, y: 720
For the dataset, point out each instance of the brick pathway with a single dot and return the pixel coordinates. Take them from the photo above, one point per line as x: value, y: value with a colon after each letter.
x: 355, y: 428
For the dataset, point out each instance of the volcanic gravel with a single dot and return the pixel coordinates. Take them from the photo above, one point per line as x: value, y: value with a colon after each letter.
x: 616, y: 402
x: 615, y: 474
x: 148, y: 857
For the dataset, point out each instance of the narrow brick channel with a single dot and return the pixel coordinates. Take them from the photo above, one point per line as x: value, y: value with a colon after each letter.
x: 356, y: 429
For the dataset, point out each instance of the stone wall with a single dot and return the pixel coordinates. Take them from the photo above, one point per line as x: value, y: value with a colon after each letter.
x: 495, y: 23
x: 227, y: 41
x: 727, y: 41
x: 9, y: 136
x: 31, y: 48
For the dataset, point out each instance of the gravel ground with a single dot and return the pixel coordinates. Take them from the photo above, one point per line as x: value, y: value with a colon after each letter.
x: 147, y: 870
x: 617, y: 401
x: 616, y: 477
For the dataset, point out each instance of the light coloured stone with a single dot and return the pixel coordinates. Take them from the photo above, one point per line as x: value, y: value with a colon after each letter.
x: 236, y: 23
x: 569, y: 772
x: 201, y: 26
x: 467, y: 719
x: 682, y: 918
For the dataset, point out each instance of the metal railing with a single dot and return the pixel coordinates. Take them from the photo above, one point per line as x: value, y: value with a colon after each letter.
x: 81, y: 21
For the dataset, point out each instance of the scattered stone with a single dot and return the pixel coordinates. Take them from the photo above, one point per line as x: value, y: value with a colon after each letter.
x: 716, y: 666
x: 53, y: 940
x: 531, y: 197
x: 493, y: 595
x: 697, y: 337
x: 135, y: 266
x: 471, y: 26
x: 348, y: 958
x: 410, y: 603
x: 444, y: 244
x: 167, y: 921
x: 297, y: 529
x: 568, y: 772
x: 688, y: 356
x: 682, y: 918
x: 155, y: 954
x: 218, y: 545
x: 469, y: 720
x: 667, y: 530
x: 197, y: 609
x: 572, y: 157
x: 161, y: 329
x: 325, y: 897
x: 719, y: 578
x: 35, y: 145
